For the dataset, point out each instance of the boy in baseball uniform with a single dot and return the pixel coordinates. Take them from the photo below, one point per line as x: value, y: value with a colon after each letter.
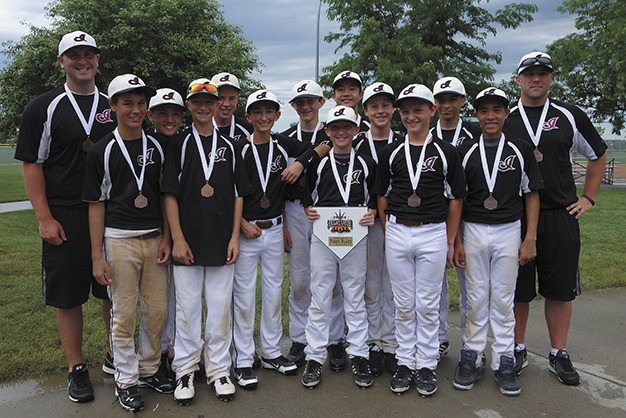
x: 499, y: 169
x: 129, y: 240
x: 204, y: 182
x: 229, y: 91
x: 420, y: 186
x: 348, y: 91
x: 342, y: 178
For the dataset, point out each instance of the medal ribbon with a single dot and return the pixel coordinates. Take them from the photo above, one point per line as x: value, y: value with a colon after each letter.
x: 370, y: 141
x: 87, y: 124
x: 207, y: 169
x: 345, y: 192
x: 457, y: 132
x: 144, y: 148
x: 536, y: 137
x: 299, y: 132
x: 414, y: 176
x: 257, y: 162
x: 490, y: 179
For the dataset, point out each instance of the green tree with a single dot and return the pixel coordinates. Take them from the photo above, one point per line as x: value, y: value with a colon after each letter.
x: 591, y: 63
x: 403, y: 42
x: 165, y: 42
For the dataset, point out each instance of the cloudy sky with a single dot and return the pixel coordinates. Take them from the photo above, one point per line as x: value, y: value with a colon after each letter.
x: 284, y: 33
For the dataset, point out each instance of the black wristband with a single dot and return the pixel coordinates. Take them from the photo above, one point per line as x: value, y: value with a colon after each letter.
x: 589, y: 198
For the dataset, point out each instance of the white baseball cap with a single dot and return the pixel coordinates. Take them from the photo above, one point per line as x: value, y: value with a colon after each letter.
x: 347, y: 75
x: 166, y: 96
x: 76, y: 38
x: 449, y: 85
x: 128, y: 82
x: 415, y: 91
x: 378, y: 88
x: 261, y: 96
x: 339, y: 113
x: 306, y: 88
x: 534, y: 58
x: 202, y: 86
x: 490, y: 93
x: 225, y: 79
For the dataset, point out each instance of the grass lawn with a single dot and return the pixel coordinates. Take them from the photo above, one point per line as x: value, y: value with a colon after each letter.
x: 29, y: 344
x: 11, y: 184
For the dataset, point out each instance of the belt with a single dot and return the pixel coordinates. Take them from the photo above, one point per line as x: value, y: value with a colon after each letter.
x: 149, y: 235
x: 408, y: 222
x: 269, y: 223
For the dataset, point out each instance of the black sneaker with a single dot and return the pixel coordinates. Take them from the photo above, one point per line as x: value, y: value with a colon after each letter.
x: 280, y: 364
x: 376, y: 360
x: 506, y: 378
x: 444, y: 347
x: 391, y: 363
x: 79, y: 386
x: 185, y: 391
x: 562, y: 366
x: 165, y: 367
x: 312, y: 374
x: 467, y: 372
x: 361, y: 371
x: 401, y: 380
x: 160, y: 382
x: 246, y: 378
x: 426, y: 381
x: 129, y: 398
x: 521, y: 359
x: 107, y: 365
x: 296, y: 353
x: 337, y: 357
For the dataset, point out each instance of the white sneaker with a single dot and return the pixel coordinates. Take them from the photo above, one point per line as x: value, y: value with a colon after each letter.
x: 224, y: 388
x: 184, y: 391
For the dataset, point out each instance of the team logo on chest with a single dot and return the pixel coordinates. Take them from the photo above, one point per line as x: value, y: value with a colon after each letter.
x: 104, y: 117
x: 550, y: 124
x: 148, y: 160
x: 276, y: 164
x: 220, y: 155
x: 429, y: 164
x: 356, y: 174
x: 507, y: 164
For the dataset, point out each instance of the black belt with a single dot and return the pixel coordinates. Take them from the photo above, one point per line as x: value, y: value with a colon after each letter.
x: 269, y: 223
x: 149, y: 235
x: 409, y: 222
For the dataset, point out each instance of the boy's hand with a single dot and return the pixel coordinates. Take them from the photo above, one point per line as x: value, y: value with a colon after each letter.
x: 165, y: 251
x: 250, y: 230
x: 182, y: 253
x: 233, y: 251
x: 312, y: 214
x: 527, y: 252
x: 101, y: 271
x: 368, y: 218
x: 459, y: 255
x: 51, y: 231
x: 292, y: 172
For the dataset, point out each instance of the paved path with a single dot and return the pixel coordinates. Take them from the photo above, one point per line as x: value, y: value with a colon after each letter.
x: 597, y: 340
x: 15, y: 206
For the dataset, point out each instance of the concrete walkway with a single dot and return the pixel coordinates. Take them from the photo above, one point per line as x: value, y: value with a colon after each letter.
x: 15, y: 206
x: 597, y: 340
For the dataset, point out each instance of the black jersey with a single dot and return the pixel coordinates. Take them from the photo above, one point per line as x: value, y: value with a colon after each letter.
x: 240, y: 131
x: 51, y: 134
x: 442, y: 178
x: 109, y: 179
x: 566, y: 127
x: 283, y: 149
x: 323, y: 186
x: 206, y: 222
x: 362, y: 144
x: 518, y: 173
x: 469, y: 132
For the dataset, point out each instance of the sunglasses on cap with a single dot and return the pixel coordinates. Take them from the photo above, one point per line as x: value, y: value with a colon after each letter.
x: 207, y: 87
x: 538, y: 60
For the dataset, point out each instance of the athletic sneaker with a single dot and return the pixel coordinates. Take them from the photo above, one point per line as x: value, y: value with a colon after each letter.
x: 165, y: 367
x: 312, y: 374
x: 426, y: 381
x: 296, y: 353
x: 256, y: 361
x: 361, y: 371
x: 521, y: 359
x: 506, y: 378
x: 184, y: 391
x: 467, y: 372
x: 160, y: 382
x: 444, y: 347
x: 246, y: 378
x: 129, y: 398
x: 79, y: 386
x: 107, y: 365
x: 401, y: 380
x: 562, y: 366
x: 337, y: 357
x: 391, y: 363
x: 224, y: 388
x: 376, y: 360
x: 280, y: 364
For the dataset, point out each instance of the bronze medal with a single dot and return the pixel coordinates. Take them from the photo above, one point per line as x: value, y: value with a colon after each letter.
x: 207, y: 190
x: 265, y: 202
x: 490, y: 203
x: 87, y: 144
x: 414, y: 200
x: 538, y: 155
x: 141, y: 201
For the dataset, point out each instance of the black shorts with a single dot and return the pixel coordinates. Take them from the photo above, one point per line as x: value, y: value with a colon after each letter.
x: 556, y: 265
x: 66, y: 269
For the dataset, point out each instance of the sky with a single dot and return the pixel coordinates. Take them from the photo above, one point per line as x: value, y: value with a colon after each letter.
x: 284, y: 34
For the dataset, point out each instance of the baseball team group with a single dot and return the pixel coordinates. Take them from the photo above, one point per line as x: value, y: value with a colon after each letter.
x: 177, y: 220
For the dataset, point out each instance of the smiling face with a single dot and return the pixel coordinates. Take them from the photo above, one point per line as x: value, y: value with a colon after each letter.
x: 491, y: 115
x: 308, y: 108
x: 341, y: 134
x: 80, y: 65
x: 166, y: 118
x: 262, y: 116
x: 130, y: 110
x: 449, y: 106
x: 348, y: 93
x: 227, y: 104
x: 534, y: 84
x: 415, y: 115
x: 379, y: 109
x: 202, y: 108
